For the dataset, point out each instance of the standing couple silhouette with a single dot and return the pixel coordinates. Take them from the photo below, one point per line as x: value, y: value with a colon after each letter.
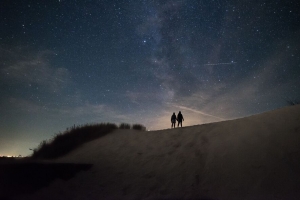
x: 179, y: 118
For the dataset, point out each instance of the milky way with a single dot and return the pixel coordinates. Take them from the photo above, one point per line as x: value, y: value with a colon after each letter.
x: 76, y: 62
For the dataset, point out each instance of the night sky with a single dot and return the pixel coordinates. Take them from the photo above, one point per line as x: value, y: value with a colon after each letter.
x: 138, y: 61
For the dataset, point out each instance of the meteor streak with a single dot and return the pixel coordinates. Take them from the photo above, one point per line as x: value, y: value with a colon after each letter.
x: 210, y: 64
x: 197, y: 111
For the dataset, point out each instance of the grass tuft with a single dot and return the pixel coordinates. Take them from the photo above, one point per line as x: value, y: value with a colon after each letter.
x: 292, y: 102
x: 124, y: 126
x: 138, y: 127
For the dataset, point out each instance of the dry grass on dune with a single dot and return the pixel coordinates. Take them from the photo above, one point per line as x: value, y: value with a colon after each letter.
x: 75, y: 136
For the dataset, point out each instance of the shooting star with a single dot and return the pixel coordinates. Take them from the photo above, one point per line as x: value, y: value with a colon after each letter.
x: 197, y: 111
x: 210, y: 64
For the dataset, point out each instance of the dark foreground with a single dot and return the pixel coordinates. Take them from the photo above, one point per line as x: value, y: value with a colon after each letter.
x: 18, y: 177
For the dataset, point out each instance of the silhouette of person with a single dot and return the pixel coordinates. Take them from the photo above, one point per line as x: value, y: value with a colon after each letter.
x: 173, y: 120
x: 180, y: 118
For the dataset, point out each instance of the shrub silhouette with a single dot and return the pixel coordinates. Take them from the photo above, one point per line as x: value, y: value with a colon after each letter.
x: 292, y: 102
x: 63, y: 143
x: 124, y: 126
x: 138, y: 127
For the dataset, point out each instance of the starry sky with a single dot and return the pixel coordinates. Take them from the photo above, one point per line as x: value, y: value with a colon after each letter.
x: 137, y: 61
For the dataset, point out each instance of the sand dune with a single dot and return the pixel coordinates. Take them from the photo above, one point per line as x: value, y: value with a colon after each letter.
x: 256, y: 157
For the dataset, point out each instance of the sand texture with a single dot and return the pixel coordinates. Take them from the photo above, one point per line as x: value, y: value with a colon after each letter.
x: 256, y: 157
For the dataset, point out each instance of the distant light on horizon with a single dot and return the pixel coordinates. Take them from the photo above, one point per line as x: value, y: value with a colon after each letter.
x: 11, y: 156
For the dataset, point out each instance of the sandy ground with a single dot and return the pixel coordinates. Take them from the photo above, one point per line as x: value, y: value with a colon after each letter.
x: 256, y: 157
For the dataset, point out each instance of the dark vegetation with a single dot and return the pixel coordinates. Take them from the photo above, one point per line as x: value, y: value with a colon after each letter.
x: 293, y: 102
x: 134, y: 126
x: 124, y: 126
x: 63, y: 143
x: 138, y: 127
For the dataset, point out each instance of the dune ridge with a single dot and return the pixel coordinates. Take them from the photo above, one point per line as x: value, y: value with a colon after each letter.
x: 255, y: 157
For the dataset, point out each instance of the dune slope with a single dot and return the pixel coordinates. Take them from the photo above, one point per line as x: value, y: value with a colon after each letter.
x: 256, y: 157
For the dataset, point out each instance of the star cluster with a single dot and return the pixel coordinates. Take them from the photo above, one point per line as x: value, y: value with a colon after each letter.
x: 75, y: 62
